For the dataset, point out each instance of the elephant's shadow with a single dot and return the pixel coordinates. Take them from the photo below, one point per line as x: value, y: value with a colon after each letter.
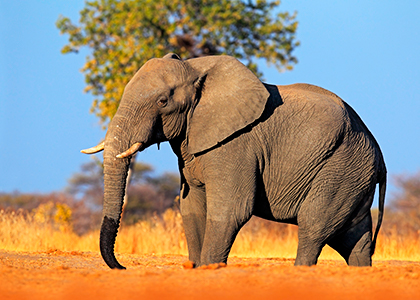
x: 273, y: 102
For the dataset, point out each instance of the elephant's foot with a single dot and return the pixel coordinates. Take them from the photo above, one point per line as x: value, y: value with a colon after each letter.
x: 360, y: 255
x: 213, y: 266
x: 308, y: 251
x: 360, y: 259
x: 306, y: 260
x: 355, y: 244
x: 191, y: 265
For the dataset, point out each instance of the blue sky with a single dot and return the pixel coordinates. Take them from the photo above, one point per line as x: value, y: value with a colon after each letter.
x: 367, y: 52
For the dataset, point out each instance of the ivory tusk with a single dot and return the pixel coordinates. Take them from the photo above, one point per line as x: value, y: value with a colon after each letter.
x: 133, y: 149
x: 95, y: 149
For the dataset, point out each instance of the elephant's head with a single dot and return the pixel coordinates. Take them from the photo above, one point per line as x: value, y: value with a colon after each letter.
x: 202, y: 101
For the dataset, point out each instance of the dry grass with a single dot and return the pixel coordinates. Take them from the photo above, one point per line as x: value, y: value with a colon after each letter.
x: 164, y: 235
x: 25, y: 232
x: 158, y: 235
x: 260, y: 238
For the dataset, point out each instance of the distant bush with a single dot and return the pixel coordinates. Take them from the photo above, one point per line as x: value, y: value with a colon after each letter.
x: 403, y: 210
x: 148, y: 194
x: 59, y: 207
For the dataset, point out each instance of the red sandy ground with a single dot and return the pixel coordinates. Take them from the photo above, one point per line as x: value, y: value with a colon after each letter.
x: 77, y: 275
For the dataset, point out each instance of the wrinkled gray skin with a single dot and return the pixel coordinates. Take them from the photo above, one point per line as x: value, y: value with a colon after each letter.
x: 295, y: 154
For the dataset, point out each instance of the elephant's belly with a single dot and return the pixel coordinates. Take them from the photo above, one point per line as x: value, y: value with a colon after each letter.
x: 277, y: 209
x: 276, y: 219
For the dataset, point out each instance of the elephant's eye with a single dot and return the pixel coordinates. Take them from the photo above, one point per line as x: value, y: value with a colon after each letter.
x: 162, y: 102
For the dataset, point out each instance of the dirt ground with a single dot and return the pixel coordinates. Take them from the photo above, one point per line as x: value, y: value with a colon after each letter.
x: 77, y: 275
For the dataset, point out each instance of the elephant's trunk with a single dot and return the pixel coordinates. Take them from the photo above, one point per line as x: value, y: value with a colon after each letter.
x: 115, y: 176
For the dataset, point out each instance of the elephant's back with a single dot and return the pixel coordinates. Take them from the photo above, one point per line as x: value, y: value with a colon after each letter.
x: 298, y: 90
x: 352, y: 131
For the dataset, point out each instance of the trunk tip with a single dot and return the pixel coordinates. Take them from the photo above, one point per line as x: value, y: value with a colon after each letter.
x: 107, y: 238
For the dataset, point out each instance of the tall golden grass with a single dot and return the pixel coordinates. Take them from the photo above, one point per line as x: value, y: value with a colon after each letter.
x: 40, y: 231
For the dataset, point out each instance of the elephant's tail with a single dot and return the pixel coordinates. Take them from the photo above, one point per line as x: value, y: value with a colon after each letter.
x: 382, y: 190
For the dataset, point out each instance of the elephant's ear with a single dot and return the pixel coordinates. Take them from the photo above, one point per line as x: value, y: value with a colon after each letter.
x: 232, y: 98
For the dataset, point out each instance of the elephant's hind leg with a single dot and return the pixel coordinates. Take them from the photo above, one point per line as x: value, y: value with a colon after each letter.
x: 355, y: 244
x: 308, y: 250
x: 318, y: 219
x: 328, y: 207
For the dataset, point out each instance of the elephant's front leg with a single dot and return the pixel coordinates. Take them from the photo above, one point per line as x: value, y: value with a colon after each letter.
x: 193, y: 211
x: 229, y: 207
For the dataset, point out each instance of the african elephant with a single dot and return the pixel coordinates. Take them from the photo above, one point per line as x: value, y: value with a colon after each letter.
x: 295, y: 154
